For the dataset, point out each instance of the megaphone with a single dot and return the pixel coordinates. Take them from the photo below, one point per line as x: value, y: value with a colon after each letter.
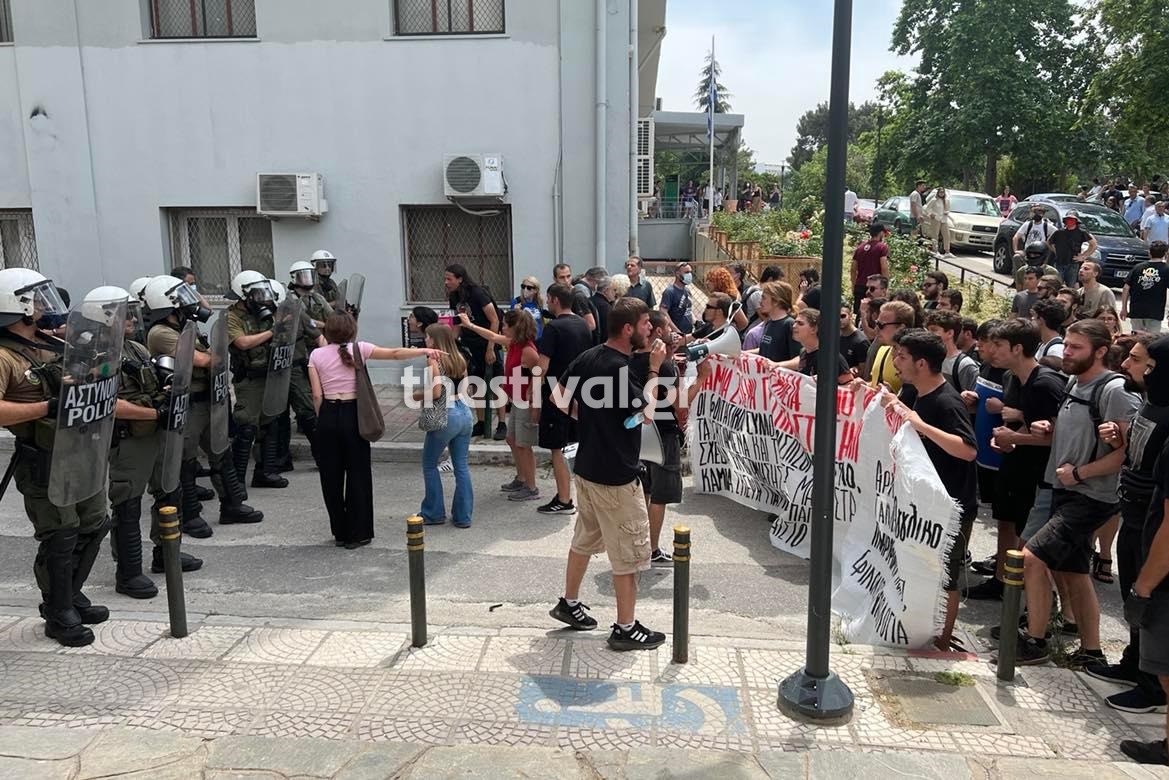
x: 725, y: 343
x: 651, y: 444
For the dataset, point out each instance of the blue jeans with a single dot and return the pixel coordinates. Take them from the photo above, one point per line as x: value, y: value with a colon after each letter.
x: 1070, y: 273
x: 456, y: 436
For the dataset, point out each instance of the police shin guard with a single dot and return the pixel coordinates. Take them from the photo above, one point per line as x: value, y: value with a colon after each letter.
x: 62, y: 621
x: 232, y: 508
x: 192, y: 523
x: 284, y: 442
x: 84, y: 555
x: 267, y: 473
x: 241, y: 450
x: 127, y: 539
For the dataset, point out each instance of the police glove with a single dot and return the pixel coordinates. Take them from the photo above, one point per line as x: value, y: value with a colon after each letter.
x: 54, y: 407
x: 162, y: 406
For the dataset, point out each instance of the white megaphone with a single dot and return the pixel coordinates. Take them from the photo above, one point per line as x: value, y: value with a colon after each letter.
x: 651, y: 444
x: 724, y: 342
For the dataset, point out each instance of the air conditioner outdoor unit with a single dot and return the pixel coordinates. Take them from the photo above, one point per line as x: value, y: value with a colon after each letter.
x: 291, y: 195
x: 473, y: 176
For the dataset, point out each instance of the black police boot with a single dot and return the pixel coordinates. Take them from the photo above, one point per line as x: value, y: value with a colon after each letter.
x: 241, y: 450
x: 284, y: 444
x: 129, y: 579
x: 203, y: 493
x: 84, y: 555
x: 232, y: 508
x: 62, y: 621
x: 267, y: 473
x: 308, y: 427
x: 204, y: 471
x: 193, y: 523
x: 188, y: 562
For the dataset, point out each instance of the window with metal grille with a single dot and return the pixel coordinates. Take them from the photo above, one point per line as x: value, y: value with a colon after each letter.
x: 5, y: 21
x: 448, y: 17
x: 219, y: 243
x: 202, y: 18
x: 437, y: 236
x: 18, y: 240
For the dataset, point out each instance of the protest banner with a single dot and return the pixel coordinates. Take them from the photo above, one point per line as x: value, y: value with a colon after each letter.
x: 751, y: 431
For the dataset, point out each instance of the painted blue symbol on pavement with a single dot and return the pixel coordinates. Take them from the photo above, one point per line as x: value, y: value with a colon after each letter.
x: 608, y: 705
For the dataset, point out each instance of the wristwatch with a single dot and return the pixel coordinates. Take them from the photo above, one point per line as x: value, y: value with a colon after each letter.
x: 1076, y: 475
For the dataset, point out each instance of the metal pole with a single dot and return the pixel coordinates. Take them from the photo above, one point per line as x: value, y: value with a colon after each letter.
x: 172, y: 563
x: 681, y: 594
x: 414, y: 550
x: 814, y: 692
x: 1009, y: 625
x: 877, y: 183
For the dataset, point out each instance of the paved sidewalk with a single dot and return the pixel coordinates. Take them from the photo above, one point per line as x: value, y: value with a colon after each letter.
x: 311, y: 698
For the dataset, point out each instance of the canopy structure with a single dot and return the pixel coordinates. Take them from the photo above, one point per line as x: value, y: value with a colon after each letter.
x: 685, y: 131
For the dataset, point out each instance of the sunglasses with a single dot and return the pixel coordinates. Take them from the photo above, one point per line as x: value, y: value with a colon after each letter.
x: 871, y: 289
x: 880, y: 324
x: 528, y: 287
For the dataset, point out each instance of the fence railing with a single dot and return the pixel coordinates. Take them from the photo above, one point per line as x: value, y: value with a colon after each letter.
x: 964, y: 272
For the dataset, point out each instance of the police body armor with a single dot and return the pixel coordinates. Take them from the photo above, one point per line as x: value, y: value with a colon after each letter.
x: 35, y: 438
x: 250, y: 363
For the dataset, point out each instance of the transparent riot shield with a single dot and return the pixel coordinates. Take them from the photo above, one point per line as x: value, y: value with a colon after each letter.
x: 342, y: 293
x: 285, y: 327
x: 89, y: 397
x: 219, y: 386
x: 180, y: 398
x: 353, y: 292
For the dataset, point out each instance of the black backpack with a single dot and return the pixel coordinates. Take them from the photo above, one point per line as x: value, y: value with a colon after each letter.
x: 1093, y: 402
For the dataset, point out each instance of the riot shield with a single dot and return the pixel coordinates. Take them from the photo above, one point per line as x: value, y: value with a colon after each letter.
x: 180, y: 398
x: 89, y: 397
x: 219, y: 384
x: 342, y: 292
x: 285, y: 327
x: 353, y: 293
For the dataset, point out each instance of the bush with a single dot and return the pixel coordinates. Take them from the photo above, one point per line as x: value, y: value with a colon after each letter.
x: 773, y: 229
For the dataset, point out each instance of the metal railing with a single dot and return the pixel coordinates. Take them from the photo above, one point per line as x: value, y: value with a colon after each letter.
x: 963, y: 272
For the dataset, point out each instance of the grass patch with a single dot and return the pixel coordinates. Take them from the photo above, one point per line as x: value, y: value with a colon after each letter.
x: 956, y: 679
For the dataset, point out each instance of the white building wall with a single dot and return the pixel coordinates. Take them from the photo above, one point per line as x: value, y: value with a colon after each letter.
x: 128, y: 127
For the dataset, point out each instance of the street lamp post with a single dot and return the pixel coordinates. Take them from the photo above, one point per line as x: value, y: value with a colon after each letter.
x: 814, y: 692
x: 877, y: 164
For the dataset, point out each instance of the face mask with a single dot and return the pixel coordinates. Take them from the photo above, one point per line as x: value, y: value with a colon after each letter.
x: 687, y: 278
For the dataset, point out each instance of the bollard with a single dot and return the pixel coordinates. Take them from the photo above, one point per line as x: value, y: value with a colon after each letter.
x: 176, y: 602
x: 1009, y: 625
x: 414, y: 548
x: 681, y: 594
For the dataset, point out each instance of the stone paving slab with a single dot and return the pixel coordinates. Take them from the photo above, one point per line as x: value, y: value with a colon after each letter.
x: 308, y: 698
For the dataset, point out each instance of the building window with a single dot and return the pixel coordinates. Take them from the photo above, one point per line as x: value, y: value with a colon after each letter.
x: 437, y: 236
x: 448, y: 17
x: 219, y: 243
x: 202, y: 18
x: 18, y: 240
x: 5, y: 21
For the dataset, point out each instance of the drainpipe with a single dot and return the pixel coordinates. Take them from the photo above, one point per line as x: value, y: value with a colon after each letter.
x: 602, y: 86
x: 634, y: 99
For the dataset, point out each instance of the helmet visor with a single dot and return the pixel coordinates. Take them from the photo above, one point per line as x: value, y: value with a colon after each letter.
x: 44, y: 299
x: 260, y: 292
x: 184, y: 296
x: 304, y: 278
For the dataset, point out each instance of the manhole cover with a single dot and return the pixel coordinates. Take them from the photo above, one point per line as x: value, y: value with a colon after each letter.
x: 924, y: 700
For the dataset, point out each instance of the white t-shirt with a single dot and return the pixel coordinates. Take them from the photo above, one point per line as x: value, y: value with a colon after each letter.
x: 915, y: 205
x: 1030, y: 231
x: 1052, y: 349
x: 850, y: 201
x: 1158, y: 227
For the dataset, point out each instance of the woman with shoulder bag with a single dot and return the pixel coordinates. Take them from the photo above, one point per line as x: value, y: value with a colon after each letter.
x: 341, y: 453
x: 447, y: 422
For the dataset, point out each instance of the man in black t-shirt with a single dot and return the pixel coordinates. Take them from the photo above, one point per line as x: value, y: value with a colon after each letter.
x: 464, y: 295
x: 1143, y: 299
x: 941, y: 419
x: 778, y: 343
x: 1067, y: 244
x: 612, y: 516
x: 854, y: 347
x: 1147, y: 368
x: 564, y: 338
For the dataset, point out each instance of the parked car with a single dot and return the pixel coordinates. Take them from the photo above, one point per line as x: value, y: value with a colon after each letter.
x: 974, y: 218
x: 894, y: 214
x: 863, y: 213
x: 1054, y: 197
x: 1118, y: 248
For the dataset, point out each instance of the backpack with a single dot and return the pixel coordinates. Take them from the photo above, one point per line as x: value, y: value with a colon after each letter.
x: 1093, y: 402
x: 954, y: 371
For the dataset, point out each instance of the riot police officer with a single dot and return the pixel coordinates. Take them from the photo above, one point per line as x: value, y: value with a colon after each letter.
x: 316, y: 310
x: 249, y: 331
x: 172, y: 305
x: 325, y: 265
x: 31, y: 378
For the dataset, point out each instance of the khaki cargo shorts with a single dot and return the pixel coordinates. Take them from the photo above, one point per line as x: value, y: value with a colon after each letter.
x: 612, y: 519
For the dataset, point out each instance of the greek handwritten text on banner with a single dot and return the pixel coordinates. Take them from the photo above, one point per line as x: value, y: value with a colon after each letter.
x: 751, y: 441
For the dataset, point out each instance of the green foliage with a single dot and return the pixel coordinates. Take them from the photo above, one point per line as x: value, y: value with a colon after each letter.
x: 908, y: 263
x: 812, y: 129
x: 771, y: 229
x: 807, y: 193
x: 711, y: 70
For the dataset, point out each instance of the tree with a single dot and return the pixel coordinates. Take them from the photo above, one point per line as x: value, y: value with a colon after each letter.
x: 711, y: 70
x: 812, y: 129
x: 993, y: 80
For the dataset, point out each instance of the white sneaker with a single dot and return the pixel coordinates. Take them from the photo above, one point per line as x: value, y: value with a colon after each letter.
x: 446, y: 466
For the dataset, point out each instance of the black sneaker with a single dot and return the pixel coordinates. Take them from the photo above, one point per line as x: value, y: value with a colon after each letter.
x: 660, y: 557
x: 1069, y: 629
x: 1137, y: 700
x: 1119, y: 674
x: 513, y: 486
x: 988, y: 590
x: 1082, y: 658
x: 476, y: 430
x: 1146, y: 752
x: 996, y: 632
x: 500, y: 432
x: 637, y: 638
x: 986, y: 568
x: 576, y: 618
x: 1032, y: 651
x: 557, y: 507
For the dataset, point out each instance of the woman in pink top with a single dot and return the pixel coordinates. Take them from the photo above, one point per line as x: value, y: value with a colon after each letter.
x: 342, y: 455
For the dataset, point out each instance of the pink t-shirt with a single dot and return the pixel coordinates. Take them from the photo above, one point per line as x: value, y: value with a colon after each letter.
x: 337, y: 378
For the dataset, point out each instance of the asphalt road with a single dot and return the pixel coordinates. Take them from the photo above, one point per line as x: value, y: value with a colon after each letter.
x: 512, y: 557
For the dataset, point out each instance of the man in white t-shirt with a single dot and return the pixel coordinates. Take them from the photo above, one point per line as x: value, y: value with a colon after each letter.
x: 1038, y: 228
x: 850, y: 203
x: 1155, y: 226
x: 1048, y: 315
